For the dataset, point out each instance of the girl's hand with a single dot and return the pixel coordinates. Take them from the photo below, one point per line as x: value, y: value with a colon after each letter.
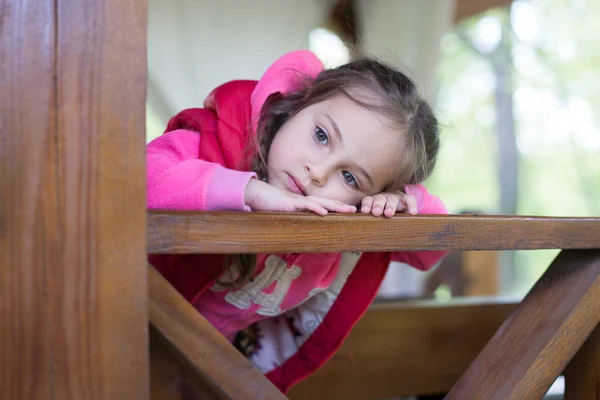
x: 388, y: 204
x: 262, y: 196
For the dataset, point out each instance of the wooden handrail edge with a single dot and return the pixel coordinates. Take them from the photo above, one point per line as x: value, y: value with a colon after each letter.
x: 238, y: 232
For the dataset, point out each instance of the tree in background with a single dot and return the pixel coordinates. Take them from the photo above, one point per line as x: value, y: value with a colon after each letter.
x: 533, y: 149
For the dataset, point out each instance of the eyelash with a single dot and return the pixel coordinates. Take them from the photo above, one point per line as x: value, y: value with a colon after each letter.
x: 316, y: 134
x: 318, y: 129
x: 352, y: 185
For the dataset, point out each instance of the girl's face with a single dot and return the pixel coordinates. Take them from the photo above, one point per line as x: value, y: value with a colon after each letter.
x: 335, y: 149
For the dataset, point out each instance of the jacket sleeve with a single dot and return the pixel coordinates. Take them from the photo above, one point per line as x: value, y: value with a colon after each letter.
x: 179, y: 180
x: 426, y: 204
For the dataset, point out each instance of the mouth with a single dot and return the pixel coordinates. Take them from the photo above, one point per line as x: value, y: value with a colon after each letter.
x: 295, y: 186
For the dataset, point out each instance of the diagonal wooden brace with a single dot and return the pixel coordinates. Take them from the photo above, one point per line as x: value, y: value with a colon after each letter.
x: 215, y: 365
x: 532, y: 348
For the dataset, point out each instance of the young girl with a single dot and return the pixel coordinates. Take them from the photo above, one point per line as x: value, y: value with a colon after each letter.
x: 301, y: 138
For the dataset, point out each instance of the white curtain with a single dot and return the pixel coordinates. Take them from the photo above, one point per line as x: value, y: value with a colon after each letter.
x: 407, y: 33
x: 195, y: 45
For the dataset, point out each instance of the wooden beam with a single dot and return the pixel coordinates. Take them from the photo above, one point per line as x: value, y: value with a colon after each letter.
x: 582, y: 376
x: 73, y: 296
x: 27, y: 113
x: 534, y: 345
x: 239, y: 232
x: 405, y: 349
x: 173, y: 377
x: 482, y: 272
x: 468, y: 8
x: 217, y: 368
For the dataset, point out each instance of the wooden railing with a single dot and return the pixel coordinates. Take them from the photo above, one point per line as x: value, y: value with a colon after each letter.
x: 237, y: 232
x: 531, y: 348
x: 73, y: 295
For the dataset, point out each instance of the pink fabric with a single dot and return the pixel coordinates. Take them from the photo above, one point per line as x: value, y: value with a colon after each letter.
x: 226, y: 190
x: 352, y: 303
x: 314, y: 271
x: 178, y: 180
x: 426, y: 204
x: 196, y: 166
x: 288, y: 74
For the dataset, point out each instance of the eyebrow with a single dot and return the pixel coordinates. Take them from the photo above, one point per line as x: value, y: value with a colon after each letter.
x: 335, y: 127
x: 362, y: 171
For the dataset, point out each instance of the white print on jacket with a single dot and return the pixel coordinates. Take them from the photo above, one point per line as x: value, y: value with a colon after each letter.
x: 252, y: 292
x: 282, y: 336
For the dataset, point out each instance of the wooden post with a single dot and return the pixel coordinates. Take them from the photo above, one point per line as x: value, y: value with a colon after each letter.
x: 582, y: 376
x: 73, y: 285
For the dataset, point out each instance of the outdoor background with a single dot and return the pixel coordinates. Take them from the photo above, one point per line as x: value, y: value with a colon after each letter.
x: 516, y: 89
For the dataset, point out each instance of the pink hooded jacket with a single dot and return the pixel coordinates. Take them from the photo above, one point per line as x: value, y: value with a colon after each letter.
x: 299, y: 308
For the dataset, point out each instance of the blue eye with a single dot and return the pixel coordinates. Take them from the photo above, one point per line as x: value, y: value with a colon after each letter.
x: 321, y: 136
x: 350, y: 179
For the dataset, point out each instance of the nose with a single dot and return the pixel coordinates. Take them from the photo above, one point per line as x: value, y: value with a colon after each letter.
x: 317, y: 174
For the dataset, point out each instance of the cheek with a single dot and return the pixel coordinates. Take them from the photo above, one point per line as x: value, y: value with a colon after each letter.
x: 336, y: 189
x: 293, y: 146
x: 275, y: 151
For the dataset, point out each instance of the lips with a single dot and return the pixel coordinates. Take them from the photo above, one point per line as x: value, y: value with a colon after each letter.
x: 295, y: 186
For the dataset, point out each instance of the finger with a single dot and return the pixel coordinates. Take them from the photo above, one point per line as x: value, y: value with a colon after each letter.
x: 367, y: 204
x: 411, y: 203
x: 311, y: 205
x: 378, y: 205
x: 334, y: 205
x: 393, y: 202
x: 338, y: 206
x: 344, y: 208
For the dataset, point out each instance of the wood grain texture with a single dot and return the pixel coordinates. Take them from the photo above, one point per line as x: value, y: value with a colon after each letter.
x: 582, y: 376
x: 173, y: 377
x: 534, y: 345
x: 73, y: 220
x: 27, y: 114
x: 239, y: 232
x: 221, y: 370
x: 405, y: 349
